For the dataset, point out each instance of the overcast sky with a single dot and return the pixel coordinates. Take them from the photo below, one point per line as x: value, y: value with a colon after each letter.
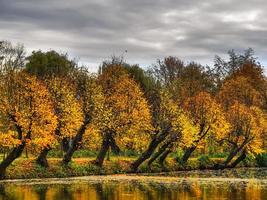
x: 93, y: 30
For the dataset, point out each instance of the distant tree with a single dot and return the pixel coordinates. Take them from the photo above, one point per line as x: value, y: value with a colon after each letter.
x: 47, y: 64
x: 12, y: 57
x: 194, y: 79
x: 168, y: 70
x: 239, y: 89
x: 223, y: 69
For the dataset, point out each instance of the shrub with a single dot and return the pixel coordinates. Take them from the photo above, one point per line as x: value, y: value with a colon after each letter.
x: 261, y: 160
x: 249, y: 161
x: 218, y: 155
x: 204, y: 162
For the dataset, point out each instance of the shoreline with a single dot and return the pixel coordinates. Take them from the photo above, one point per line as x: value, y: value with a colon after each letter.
x: 167, y: 178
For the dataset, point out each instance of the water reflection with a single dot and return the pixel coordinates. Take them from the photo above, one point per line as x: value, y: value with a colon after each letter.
x: 134, y: 190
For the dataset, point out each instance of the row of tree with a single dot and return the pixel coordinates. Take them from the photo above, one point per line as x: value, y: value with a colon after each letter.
x: 47, y: 101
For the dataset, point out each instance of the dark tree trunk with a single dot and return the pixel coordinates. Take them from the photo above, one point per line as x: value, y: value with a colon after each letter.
x: 188, y: 152
x: 65, y: 144
x: 75, y: 142
x: 114, y: 147
x: 158, y: 153
x: 149, y: 151
x: 230, y: 157
x: 15, y: 153
x: 163, y: 157
x: 103, y: 151
x: 234, y: 152
x: 239, y: 159
x: 42, y: 158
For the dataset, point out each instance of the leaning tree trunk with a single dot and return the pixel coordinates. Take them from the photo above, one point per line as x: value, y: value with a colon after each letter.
x: 42, y: 158
x: 239, y: 159
x: 114, y: 147
x: 190, y: 150
x: 163, y: 157
x: 14, y: 154
x: 230, y: 157
x: 75, y: 142
x: 233, y: 153
x: 149, y: 151
x: 103, y: 151
x: 188, y: 153
x: 158, y: 153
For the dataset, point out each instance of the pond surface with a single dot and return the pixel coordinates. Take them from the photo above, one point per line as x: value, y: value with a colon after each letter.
x: 123, y: 187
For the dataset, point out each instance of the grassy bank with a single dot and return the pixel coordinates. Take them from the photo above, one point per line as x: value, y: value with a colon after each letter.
x: 27, y: 167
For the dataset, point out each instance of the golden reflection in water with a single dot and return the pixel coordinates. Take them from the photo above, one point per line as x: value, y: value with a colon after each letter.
x: 136, y: 191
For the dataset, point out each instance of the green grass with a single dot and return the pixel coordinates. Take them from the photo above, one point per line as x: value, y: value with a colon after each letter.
x: 82, y: 165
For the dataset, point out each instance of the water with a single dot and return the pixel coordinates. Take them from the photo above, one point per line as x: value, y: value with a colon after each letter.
x: 136, y: 188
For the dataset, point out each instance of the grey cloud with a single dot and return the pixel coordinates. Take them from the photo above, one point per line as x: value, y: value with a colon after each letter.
x: 148, y: 29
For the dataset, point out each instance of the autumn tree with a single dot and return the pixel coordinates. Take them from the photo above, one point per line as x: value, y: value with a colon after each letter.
x: 168, y: 127
x: 125, y: 113
x: 209, y: 118
x: 90, y: 96
x: 68, y: 111
x: 246, y: 133
x: 27, y: 115
x: 254, y: 74
x: 194, y: 79
x: 225, y: 68
x: 72, y: 90
x: 181, y: 134
x: 239, y: 89
x: 166, y: 71
x: 183, y: 80
x: 243, y: 98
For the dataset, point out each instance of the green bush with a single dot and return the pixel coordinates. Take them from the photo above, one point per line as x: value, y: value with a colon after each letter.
x: 218, y: 155
x: 261, y: 160
x: 204, y: 162
x: 249, y: 161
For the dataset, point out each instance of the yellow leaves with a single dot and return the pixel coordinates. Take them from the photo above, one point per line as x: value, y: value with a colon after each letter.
x: 67, y: 108
x: 124, y: 110
x: 172, y: 118
x: 207, y: 114
x: 247, y: 124
x: 8, y: 139
x: 189, y: 131
x: 239, y: 89
x: 28, y: 105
